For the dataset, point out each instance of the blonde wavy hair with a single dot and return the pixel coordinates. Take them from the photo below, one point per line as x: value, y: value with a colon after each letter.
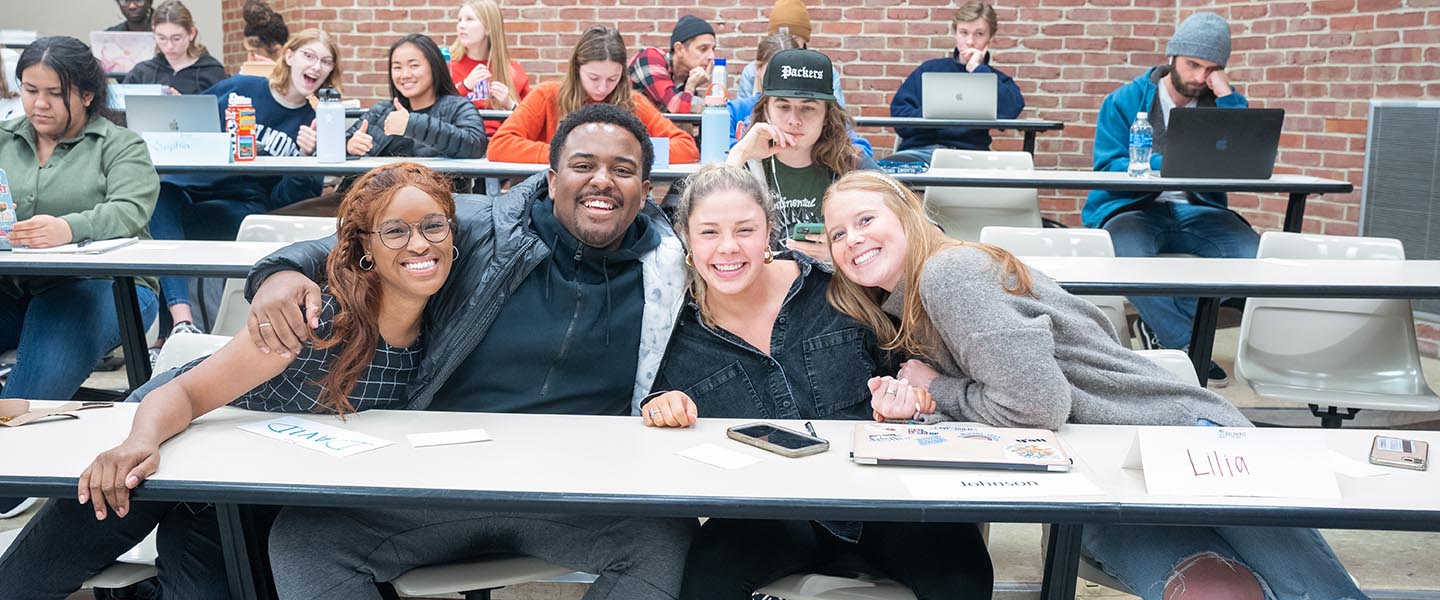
x: 598, y: 43
x: 488, y: 12
x: 915, y: 334
x: 280, y: 75
x: 709, y: 180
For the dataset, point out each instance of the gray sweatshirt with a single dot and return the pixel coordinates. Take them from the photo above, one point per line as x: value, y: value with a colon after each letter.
x: 1041, y: 361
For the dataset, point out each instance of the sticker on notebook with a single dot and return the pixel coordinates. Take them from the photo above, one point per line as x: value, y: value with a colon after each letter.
x: 983, y: 437
x: 930, y: 440
x: 885, y: 437
x: 1031, y: 451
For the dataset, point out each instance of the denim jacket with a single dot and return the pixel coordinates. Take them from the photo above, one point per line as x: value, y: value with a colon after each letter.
x: 817, y: 367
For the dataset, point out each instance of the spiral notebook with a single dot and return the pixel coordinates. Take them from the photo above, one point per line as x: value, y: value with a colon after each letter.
x: 958, y: 445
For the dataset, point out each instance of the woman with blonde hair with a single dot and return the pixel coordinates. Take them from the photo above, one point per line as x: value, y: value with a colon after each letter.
x: 180, y: 62
x: 596, y: 74
x: 1001, y: 344
x: 479, y: 43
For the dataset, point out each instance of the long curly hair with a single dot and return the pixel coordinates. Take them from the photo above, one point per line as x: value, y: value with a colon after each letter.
x: 355, y: 327
x: 832, y: 149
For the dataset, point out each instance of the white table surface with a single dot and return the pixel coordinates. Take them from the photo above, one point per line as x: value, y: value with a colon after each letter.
x: 1241, y: 276
x: 146, y: 257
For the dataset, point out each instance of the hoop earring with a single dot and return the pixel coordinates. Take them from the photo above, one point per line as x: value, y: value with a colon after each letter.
x: 769, y: 256
x: 688, y: 261
x: 363, y: 266
x: 455, y: 252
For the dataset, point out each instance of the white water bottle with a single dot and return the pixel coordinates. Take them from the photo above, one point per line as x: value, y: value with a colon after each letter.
x: 1142, y: 140
x: 330, y: 127
x: 715, y: 120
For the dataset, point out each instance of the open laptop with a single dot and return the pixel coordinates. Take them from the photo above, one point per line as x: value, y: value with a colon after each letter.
x: 118, y: 92
x: 958, y: 445
x: 958, y: 95
x: 119, y: 51
x: 1222, y: 143
x: 200, y: 112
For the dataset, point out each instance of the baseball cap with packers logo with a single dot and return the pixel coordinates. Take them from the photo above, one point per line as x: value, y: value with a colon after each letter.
x: 799, y: 73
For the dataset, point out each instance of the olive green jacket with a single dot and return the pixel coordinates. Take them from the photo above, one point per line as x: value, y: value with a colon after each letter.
x: 100, y: 182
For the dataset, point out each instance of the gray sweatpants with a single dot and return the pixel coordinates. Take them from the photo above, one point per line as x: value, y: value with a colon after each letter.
x: 322, y: 553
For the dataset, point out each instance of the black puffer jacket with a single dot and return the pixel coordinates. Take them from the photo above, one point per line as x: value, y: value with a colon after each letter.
x: 449, y: 128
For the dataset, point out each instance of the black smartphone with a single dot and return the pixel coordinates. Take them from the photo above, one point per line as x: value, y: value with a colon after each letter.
x: 782, y: 441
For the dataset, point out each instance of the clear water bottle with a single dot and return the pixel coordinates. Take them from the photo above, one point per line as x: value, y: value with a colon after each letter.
x: 329, y: 127
x: 1142, y: 139
x: 715, y: 120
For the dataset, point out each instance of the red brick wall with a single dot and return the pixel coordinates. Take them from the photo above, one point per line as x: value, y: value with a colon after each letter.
x: 1320, y: 60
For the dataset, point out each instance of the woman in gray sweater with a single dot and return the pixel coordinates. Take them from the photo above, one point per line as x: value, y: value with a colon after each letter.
x: 1004, y: 345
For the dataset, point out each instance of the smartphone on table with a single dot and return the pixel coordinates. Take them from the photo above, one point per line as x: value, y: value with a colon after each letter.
x: 804, y: 229
x: 782, y: 441
x: 1399, y: 452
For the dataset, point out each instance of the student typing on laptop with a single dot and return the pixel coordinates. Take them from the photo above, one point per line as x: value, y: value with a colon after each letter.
x: 974, y: 24
x: 1149, y: 223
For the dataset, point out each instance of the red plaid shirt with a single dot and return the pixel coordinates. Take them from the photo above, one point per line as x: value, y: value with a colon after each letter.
x: 651, y: 76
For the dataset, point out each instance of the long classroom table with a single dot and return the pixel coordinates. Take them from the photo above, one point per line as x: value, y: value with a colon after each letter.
x: 616, y: 466
x: 1297, y: 187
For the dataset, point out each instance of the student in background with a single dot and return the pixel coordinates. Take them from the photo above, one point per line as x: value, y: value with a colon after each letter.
x: 137, y: 15
x: 180, y: 63
x: 397, y: 250
x: 742, y: 108
x: 265, y: 37
x: 211, y: 208
x: 1002, y: 344
x: 738, y: 290
x: 596, y: 74
x: 480, y: 43
x: 975, y: 24
x: 798, y: 144
x: 787, y: 16
x: 425, y: 116
x: 676, y: 81
x: 10, y: 104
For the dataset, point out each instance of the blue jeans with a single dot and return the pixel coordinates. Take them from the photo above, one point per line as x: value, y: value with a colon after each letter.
x: 60, y: 333
x: 1291, y: 563
x: 1154, y: 228
x: 64, y: 545
x: 184, y: 214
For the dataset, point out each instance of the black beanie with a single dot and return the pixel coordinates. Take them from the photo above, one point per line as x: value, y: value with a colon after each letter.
x: 688, y: 27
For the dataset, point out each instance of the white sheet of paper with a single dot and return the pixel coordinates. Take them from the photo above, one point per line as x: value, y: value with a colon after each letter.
x: 1350, y: 467
x: 1237, y: 461
x: 319, y: 437
x: 966, y: 484
x: 713, y: 455
x: 446, y: 438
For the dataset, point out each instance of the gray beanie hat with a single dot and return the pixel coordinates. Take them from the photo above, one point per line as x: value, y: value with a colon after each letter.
x: 1202, y: 35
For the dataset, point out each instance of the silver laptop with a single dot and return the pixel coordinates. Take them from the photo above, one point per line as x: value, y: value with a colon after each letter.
x: 118, y: 92
x: 200, y: 112
x: 958, y: 95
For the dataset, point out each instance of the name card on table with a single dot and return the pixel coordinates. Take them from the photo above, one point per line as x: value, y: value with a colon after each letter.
x: 188, y: 147
x: 1241, y: 462
x: 315, y: 436
x: 964, y: 484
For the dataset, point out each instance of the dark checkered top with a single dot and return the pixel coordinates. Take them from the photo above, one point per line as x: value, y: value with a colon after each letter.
x: 297, y: 388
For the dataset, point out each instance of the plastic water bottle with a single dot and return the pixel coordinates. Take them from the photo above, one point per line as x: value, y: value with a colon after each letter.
x: 715, y: 120
x: 330, y: 127
x: 445, y: 53
x: 1142, y: 139
x: 7, y: 211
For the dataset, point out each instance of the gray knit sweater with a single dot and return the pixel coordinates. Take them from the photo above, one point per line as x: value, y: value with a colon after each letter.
x: 1042, y: 361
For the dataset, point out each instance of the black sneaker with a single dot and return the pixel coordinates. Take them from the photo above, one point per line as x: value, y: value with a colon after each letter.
x: 1147, y: 337
x: 1217, y: 376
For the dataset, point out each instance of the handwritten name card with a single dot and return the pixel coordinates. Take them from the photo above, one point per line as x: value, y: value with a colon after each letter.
x: 315, y: 436
x: 1245, y: 462
x: 188, y: 147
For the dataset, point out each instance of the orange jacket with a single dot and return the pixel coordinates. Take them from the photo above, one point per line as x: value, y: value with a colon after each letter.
x: 525, y: 136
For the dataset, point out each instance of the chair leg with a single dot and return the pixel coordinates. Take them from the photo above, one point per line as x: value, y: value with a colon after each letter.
x: 1331, y: 417
x: 478, y: 595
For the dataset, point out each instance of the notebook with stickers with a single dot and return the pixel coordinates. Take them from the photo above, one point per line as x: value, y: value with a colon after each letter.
x: 958, y: 445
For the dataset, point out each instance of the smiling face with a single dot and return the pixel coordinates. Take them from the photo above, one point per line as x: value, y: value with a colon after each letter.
x: 728, y: 234
x: 867, y: 241
x: 599, y: 78
x: 598, y: 187
x: 173, y: 40
x: 48, y: 110
x: 419, y: 268
x: 410, y: 73
x: 310, y: 66
x: 469, y: 29
x: 802, y: 118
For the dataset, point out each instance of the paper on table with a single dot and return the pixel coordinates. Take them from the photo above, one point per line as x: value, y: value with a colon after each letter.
x: 315, y: 436
x: 711, y: 454
x: 1350, y: 467
x: 92, y: 247
x: 446, y: 438
x: 965, y: 484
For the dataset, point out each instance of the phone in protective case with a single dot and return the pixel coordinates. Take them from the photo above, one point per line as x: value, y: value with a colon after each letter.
x: 1399, y: 452
x: 782, y: 441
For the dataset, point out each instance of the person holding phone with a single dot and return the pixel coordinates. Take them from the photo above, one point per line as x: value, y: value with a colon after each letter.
x: 783, y: 353
x: 798, y: 144
x: 395, y: 250
x: 1004, y: 345
x: 479, y: 43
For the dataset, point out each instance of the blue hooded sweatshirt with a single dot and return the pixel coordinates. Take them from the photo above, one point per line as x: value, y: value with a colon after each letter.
x: 909, y: 102
x: 1112, y: 143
